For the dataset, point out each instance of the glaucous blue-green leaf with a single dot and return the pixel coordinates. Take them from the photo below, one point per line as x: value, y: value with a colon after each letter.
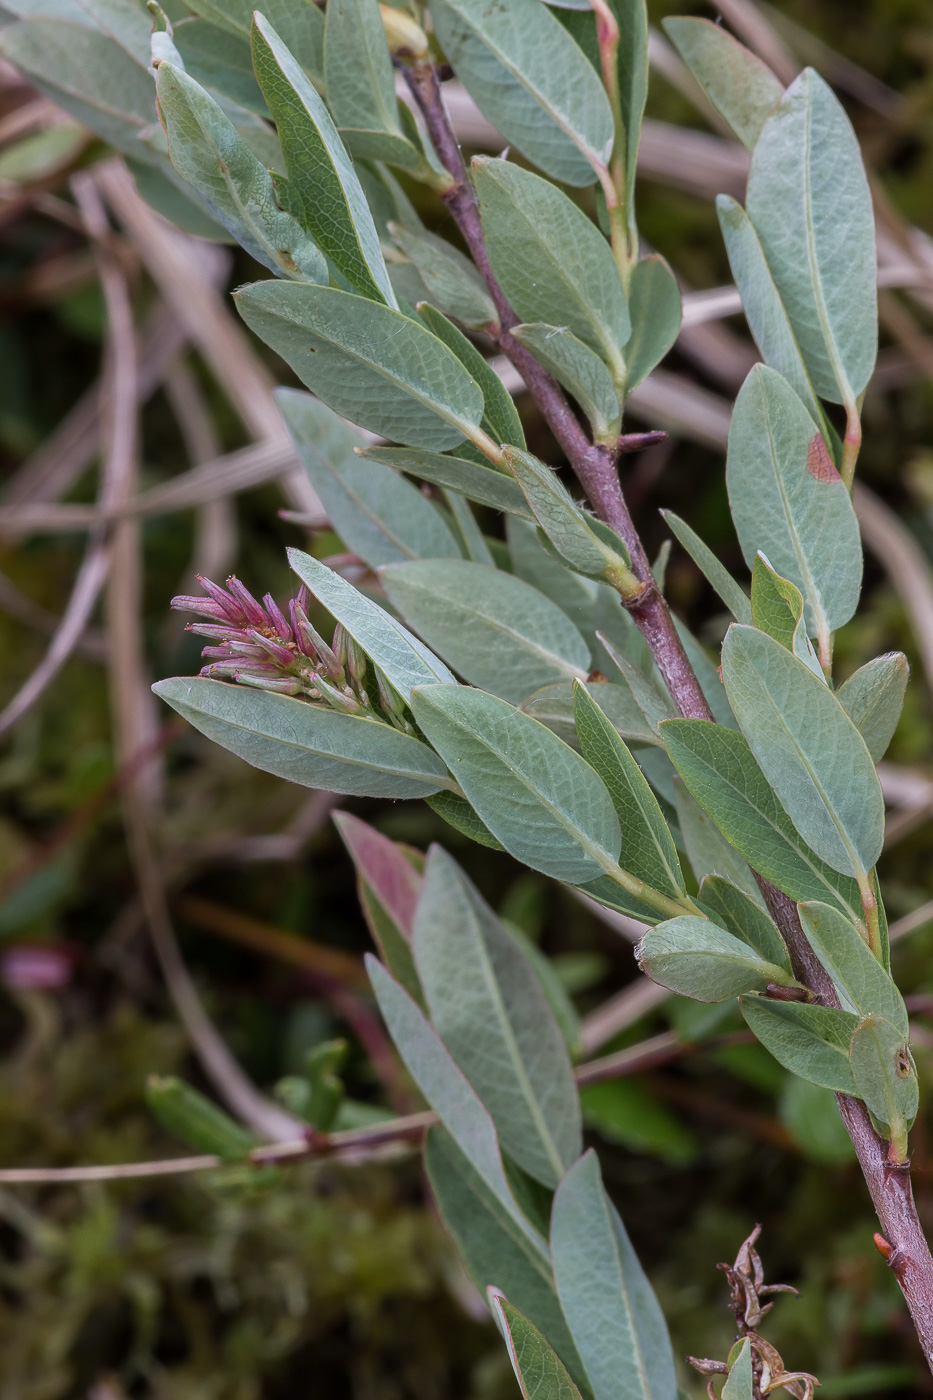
x: 553, y: 705
x: 126, y: 22
x: 495, y: 1249
x: 811, y: 1041
x: 368, y: 362
x: 692, y: 956
x: 654, y: 705
x: 447, y: 1091
x: 88, y: 74
x: 540, y: 1373
x: 764, y: 310
x: 322, y: 188
x: 500, y: 416
x: 551, y: 261
x: 494, y: 629
x: 358, y: 73
x: 715, y: 573
x: 808, y: 749
x: 299, y: 24
x: 788, y: 500
x: 307, y: 743
x: 449, y: 276
x: 707, y: 850
x: 884, y: 1073
x: 531, y: 80
x: 777, y: 608
x: 648, y: 850
x: 404, y: 660
x: 632, y: 18
x: 183, y: 208
x: 536, y: 795
x: 655, y: 310
x: 707, y: 673
x: 873, y: 699
x: 208, y: 151
x: 738, y: 913
x: 220, y: 61
x: 860, y: 980
x: 389, y: 888
x: 482, y: 484
x: 613, y: 1313
x: 740, y: 1382
x: 584, y: 542
x: 580, y: 370
x: 575, y: 595
x: 488, y: 1007
x: 741, y: 88
x: 380, y: 516
x: 718, y: 767
x: 458, y: 813
x: 810, y: 204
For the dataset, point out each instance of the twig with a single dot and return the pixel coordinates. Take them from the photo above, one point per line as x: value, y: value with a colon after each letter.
x: 130, y: 697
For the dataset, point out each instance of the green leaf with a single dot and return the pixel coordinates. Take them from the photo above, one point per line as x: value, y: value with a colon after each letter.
x: 126, y: 22
x: 648, y: 850
x: 741, y: 88
x: 884, y: 1073
x: 495, y: 630
x: 307, y: 743
x: 577, y: 537
x: 873, y: 699
x: 451, y: 278
x: 531, y: 81
x: 740, y: 1382
x: 581, y: 372
x: 539, y: 1370
x: 380, y: 516
x: 184, y: 208
x: 221, y: 61
x: 322, y: 189
x: 551, y: 261
x: 447, y: 1091
x: 482, y: 484
x: 358, y: 68
x: 810, y: 204
x: 88, y: 74
x: 389, y: 888
x: 809, y: 750
x: 764, y: 310
x: 625, y: 1112
x: 738, y: 913
x: 299, y: 22
x: 810, y: 1041
x: 720, y: 771
x: 611, y: 1308
x: 197, y: 1121
x: 860, y: 980
x: 460, y: 815
x: 788, y: 500
x: 655, y: 706
x: 368, y: 362
x: 495, y: 1249
x: 708, y: 851
x: 715, y: 573
x: 777, y: 608
x: 208, y: 151
x: 500, y: 416
x: 692, y: 956
x: 488, y: 1007
x: 539, y: 798
x: 656, y: 308
x: 810, y: 1115
x: 575, y: 595
x: 402, y: 658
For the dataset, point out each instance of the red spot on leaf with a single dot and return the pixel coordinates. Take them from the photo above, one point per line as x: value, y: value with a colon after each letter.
x: 819, y: 462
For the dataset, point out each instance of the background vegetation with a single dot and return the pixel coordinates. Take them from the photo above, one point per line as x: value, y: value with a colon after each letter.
x: 338, y: 1281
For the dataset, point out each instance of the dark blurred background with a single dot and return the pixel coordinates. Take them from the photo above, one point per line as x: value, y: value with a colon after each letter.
x: 338, y: 1281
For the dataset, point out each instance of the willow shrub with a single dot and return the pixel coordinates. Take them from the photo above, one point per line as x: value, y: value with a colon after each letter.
x: 535, y: 690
